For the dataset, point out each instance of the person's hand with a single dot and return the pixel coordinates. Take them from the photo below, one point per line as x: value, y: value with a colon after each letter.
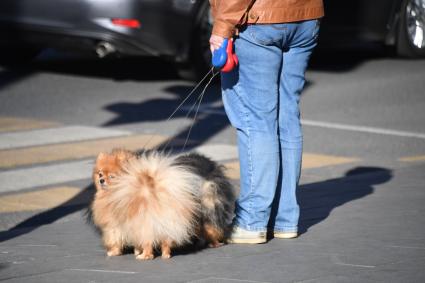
x: 215, y: 42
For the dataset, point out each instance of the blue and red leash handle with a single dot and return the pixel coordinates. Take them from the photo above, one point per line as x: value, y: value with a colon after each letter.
x: 224, y: 58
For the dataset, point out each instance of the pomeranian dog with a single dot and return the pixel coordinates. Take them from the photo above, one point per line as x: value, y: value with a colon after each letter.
x: 152, y: 201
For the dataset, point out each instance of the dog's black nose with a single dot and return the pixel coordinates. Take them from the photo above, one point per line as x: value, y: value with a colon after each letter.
x: 102, y: 181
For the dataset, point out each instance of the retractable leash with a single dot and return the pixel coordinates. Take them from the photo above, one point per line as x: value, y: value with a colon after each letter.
x: 224, y: 58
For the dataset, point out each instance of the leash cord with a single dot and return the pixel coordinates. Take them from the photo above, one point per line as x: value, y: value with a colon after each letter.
x: 181, y: 104
x: 200, y: 97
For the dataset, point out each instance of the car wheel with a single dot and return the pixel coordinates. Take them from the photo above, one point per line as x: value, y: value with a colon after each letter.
x: 411, y: 32
x: 199, y: 59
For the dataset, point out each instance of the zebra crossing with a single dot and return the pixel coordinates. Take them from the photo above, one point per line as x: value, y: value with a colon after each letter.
x: 39, y: 158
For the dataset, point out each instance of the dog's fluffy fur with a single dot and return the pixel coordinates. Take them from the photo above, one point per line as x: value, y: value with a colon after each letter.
x: 152, y: 200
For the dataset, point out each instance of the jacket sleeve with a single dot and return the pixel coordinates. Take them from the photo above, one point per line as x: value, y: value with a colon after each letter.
x: 227, y: 14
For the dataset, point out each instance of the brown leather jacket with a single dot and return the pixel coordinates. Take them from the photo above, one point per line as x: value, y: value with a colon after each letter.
x: 229, y: 13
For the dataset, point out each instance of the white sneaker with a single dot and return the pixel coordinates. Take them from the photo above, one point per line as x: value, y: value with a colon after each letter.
x: 242, y: 236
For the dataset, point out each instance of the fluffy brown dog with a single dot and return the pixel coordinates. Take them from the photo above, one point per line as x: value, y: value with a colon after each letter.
x: 153, y: 200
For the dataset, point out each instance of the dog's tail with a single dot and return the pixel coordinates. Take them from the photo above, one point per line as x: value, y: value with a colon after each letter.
x: 217, y: 204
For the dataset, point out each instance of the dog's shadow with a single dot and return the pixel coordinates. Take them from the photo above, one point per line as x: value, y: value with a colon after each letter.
x: 77, y: 203
x: 317, y: 200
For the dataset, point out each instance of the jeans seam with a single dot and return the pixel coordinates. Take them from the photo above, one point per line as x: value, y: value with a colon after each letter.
x: 251, y: 165
x: 245, y: 115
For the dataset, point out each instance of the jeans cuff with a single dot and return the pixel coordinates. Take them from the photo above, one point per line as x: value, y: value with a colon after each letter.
x: 287, y: 229
x: 250, y: 228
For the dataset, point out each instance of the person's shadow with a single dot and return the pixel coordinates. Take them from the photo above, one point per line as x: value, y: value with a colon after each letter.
x: 317, y: 200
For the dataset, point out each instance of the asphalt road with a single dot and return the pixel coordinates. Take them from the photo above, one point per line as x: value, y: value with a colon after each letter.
x: 361, y: 192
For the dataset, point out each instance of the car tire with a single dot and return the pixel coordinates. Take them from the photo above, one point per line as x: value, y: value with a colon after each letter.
x: 411, y: 29
x: 199, y: 55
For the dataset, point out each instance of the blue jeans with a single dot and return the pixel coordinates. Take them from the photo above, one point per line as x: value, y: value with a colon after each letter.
x: 261, y: 98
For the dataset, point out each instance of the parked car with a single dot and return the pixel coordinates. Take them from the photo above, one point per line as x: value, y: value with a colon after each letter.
x: 179, y: 29
x: 396, y: 23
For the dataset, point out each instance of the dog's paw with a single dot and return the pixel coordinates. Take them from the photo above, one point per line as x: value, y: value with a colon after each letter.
x: 114, y: 252
x: 137, y: 251
x: 215, y: 245
x: 166, y: 256
x: 144, y: 256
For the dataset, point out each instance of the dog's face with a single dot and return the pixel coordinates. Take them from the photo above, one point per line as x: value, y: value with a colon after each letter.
x: 109, y: 166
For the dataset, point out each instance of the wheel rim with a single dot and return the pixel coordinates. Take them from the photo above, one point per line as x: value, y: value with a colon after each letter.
x: 415, y: 22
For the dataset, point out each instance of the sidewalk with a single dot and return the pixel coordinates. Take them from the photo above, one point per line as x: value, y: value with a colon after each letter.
x: 368, y: 227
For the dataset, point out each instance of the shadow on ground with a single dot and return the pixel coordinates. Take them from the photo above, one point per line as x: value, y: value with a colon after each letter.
x: 317, y: 200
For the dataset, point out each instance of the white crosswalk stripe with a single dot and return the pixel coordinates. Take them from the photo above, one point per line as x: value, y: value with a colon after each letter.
x: 55, y: 135
x: 26, y: 178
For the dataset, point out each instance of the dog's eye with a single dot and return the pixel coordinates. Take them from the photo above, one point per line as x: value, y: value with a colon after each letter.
x: 111, y: 176
x: 100, y: 175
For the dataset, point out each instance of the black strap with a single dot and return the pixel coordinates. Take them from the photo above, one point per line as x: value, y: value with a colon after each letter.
x: 244, y: 18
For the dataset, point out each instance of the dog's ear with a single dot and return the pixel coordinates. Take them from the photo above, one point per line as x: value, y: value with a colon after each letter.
x: 100, y: 156
x: 121, y: 156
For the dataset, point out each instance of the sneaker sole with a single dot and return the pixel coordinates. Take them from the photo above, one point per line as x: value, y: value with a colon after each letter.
x: 285, y: 235
x: 247, y: 241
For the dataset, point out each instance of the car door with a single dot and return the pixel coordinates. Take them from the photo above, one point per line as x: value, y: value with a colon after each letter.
x: 352, y: 21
